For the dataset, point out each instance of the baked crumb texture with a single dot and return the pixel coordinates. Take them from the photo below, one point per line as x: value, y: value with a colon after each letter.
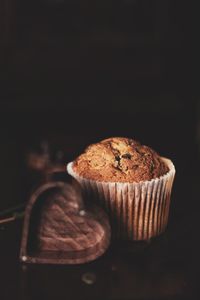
x: 120, y: 159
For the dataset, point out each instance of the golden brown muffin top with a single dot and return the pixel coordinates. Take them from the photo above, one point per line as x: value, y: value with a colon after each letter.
x: 119, y: 159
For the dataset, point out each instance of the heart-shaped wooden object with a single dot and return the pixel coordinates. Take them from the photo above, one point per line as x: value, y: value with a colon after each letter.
x: 59, y: 229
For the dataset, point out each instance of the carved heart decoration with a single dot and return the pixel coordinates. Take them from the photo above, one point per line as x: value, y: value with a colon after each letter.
x: 59, y: 229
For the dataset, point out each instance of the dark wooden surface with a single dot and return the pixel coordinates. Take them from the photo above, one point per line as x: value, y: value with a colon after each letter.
x: 165, y: 268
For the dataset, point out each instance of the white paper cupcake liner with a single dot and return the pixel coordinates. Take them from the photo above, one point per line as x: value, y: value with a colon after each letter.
x: 137, y: 211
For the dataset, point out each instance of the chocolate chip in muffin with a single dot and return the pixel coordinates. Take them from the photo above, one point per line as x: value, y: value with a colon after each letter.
x: 127, y: 155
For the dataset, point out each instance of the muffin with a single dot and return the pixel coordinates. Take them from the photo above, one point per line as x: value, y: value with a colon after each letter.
x: 131, y: 181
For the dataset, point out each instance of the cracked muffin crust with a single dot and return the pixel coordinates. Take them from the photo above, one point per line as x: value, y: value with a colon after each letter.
x: 120, y: 159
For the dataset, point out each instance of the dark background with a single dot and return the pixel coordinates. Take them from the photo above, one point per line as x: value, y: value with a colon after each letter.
x: 73, y: 72
x: 85, y: 70
x: 130, y: 55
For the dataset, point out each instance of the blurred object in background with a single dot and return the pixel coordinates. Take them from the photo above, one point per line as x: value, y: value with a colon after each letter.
x: 45, y: 161
x: 38, y: 161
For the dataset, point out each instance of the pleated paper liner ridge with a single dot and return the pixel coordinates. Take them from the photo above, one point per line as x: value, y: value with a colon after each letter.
x: 137, y: 211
